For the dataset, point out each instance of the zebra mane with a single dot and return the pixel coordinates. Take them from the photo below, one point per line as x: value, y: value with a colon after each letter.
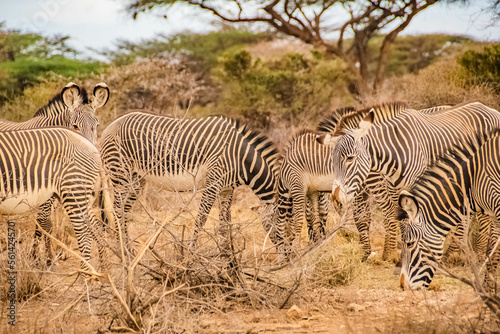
x: 329, y: 123
x: 382, y: 113
x: 262, y: 144
x: 453, y: 160
x: 56, y: 105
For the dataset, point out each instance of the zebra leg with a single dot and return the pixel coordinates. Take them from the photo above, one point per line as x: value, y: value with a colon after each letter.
x: 75, y: 202
x: 314, y: 223
x: 298, y: 212
x: 212, y: 189
x: 97, y: 230
x: 362, y: 221
x: 282, y: 228
x: 43, y: 219
x: 452, y: 254
x: 125, y: 196
x: 485, y: 225
x: 309, y: 218
x: 493, y: 259
x: 323, y: 212
x: 225, y: 229
x: 384, y: 195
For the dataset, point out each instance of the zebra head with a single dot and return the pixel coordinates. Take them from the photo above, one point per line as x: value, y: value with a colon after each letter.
x: 82, y: 110
x: 351, y: 159
x: 417, y: 255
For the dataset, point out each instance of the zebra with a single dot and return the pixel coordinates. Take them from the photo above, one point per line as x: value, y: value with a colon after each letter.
x: 389, y: 156
x: 304, y: 179
x: 38, y: 164
x: 214, y: 152
x: 306, y: 176
x: 467, y: 179
x: 73, y: 109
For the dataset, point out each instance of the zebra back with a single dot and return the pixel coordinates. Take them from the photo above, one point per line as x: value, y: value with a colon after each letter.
x: 381, y: 113
x: 228, y: 152
x: 38, y: 160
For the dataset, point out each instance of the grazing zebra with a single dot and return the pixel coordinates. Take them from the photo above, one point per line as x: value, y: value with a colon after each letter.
x: 391, y: 155
x: 466, y: 180
x: 306, y: 176
x: 348, y: 118
x: 215, y: 153
x: 38, y: 164
x: 71, y: 109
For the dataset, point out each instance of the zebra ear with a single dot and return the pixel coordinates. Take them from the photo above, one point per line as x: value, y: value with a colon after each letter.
x: 101, y: 95
x: 408, y: 203
x: 327, y: 140
x: 70, y: 94
x: 364, y: 126
x: 256, y: 208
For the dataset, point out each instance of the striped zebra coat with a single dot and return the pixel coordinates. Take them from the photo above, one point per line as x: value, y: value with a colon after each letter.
x: 466, y: 180
x: 73, y: 109
x: 214, y: 154
x: 38, y: 164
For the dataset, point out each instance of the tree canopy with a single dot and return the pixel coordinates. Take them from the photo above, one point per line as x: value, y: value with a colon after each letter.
x: 342, y: 28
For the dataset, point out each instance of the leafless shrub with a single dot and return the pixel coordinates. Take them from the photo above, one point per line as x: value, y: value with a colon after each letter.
x: 439, y: 84
x: 159, y: 86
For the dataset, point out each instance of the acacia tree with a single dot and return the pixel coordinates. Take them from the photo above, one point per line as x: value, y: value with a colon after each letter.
x: 358, y: 22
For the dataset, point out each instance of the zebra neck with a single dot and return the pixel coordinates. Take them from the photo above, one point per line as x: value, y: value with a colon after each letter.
x: 53, y: 114
x: 445, y: 196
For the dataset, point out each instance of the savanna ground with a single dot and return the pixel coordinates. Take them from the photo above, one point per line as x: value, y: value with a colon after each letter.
x: 327, y: 290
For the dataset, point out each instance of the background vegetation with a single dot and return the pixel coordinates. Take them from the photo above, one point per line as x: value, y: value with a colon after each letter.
x: 265, y: 78
x: 277, y: 84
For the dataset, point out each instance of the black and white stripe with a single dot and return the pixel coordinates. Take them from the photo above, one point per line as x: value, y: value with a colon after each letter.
x: 214, y: 153
x: 73, y: 109
x: 465, y: 180
x: 39, y: 164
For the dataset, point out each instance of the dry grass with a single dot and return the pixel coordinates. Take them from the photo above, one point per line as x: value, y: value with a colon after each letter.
x: 441, y: 83
x: 332, y: 289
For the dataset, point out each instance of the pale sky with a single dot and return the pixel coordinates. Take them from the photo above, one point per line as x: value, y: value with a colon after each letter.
x: 99, y: 23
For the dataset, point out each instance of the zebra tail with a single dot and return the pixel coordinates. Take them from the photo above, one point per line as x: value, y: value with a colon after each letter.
x: 106, y: 203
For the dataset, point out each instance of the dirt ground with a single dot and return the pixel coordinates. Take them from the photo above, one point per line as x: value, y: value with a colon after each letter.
x: 328, y: 290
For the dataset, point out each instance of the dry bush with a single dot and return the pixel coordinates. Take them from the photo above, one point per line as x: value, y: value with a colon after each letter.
x: 444, y: 82
x: 159, y: 86
x: 24, y: 106
x: 156, y: 85
x: 28, y: 279
x: 337, y: 263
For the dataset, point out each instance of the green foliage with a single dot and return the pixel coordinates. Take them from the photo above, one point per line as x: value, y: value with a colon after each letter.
x: 484, y: 65
x: 25, y: 59
x: 410, y: 54
x: 204, y: 48
x: 29, y: 70
x: 287, y: 87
